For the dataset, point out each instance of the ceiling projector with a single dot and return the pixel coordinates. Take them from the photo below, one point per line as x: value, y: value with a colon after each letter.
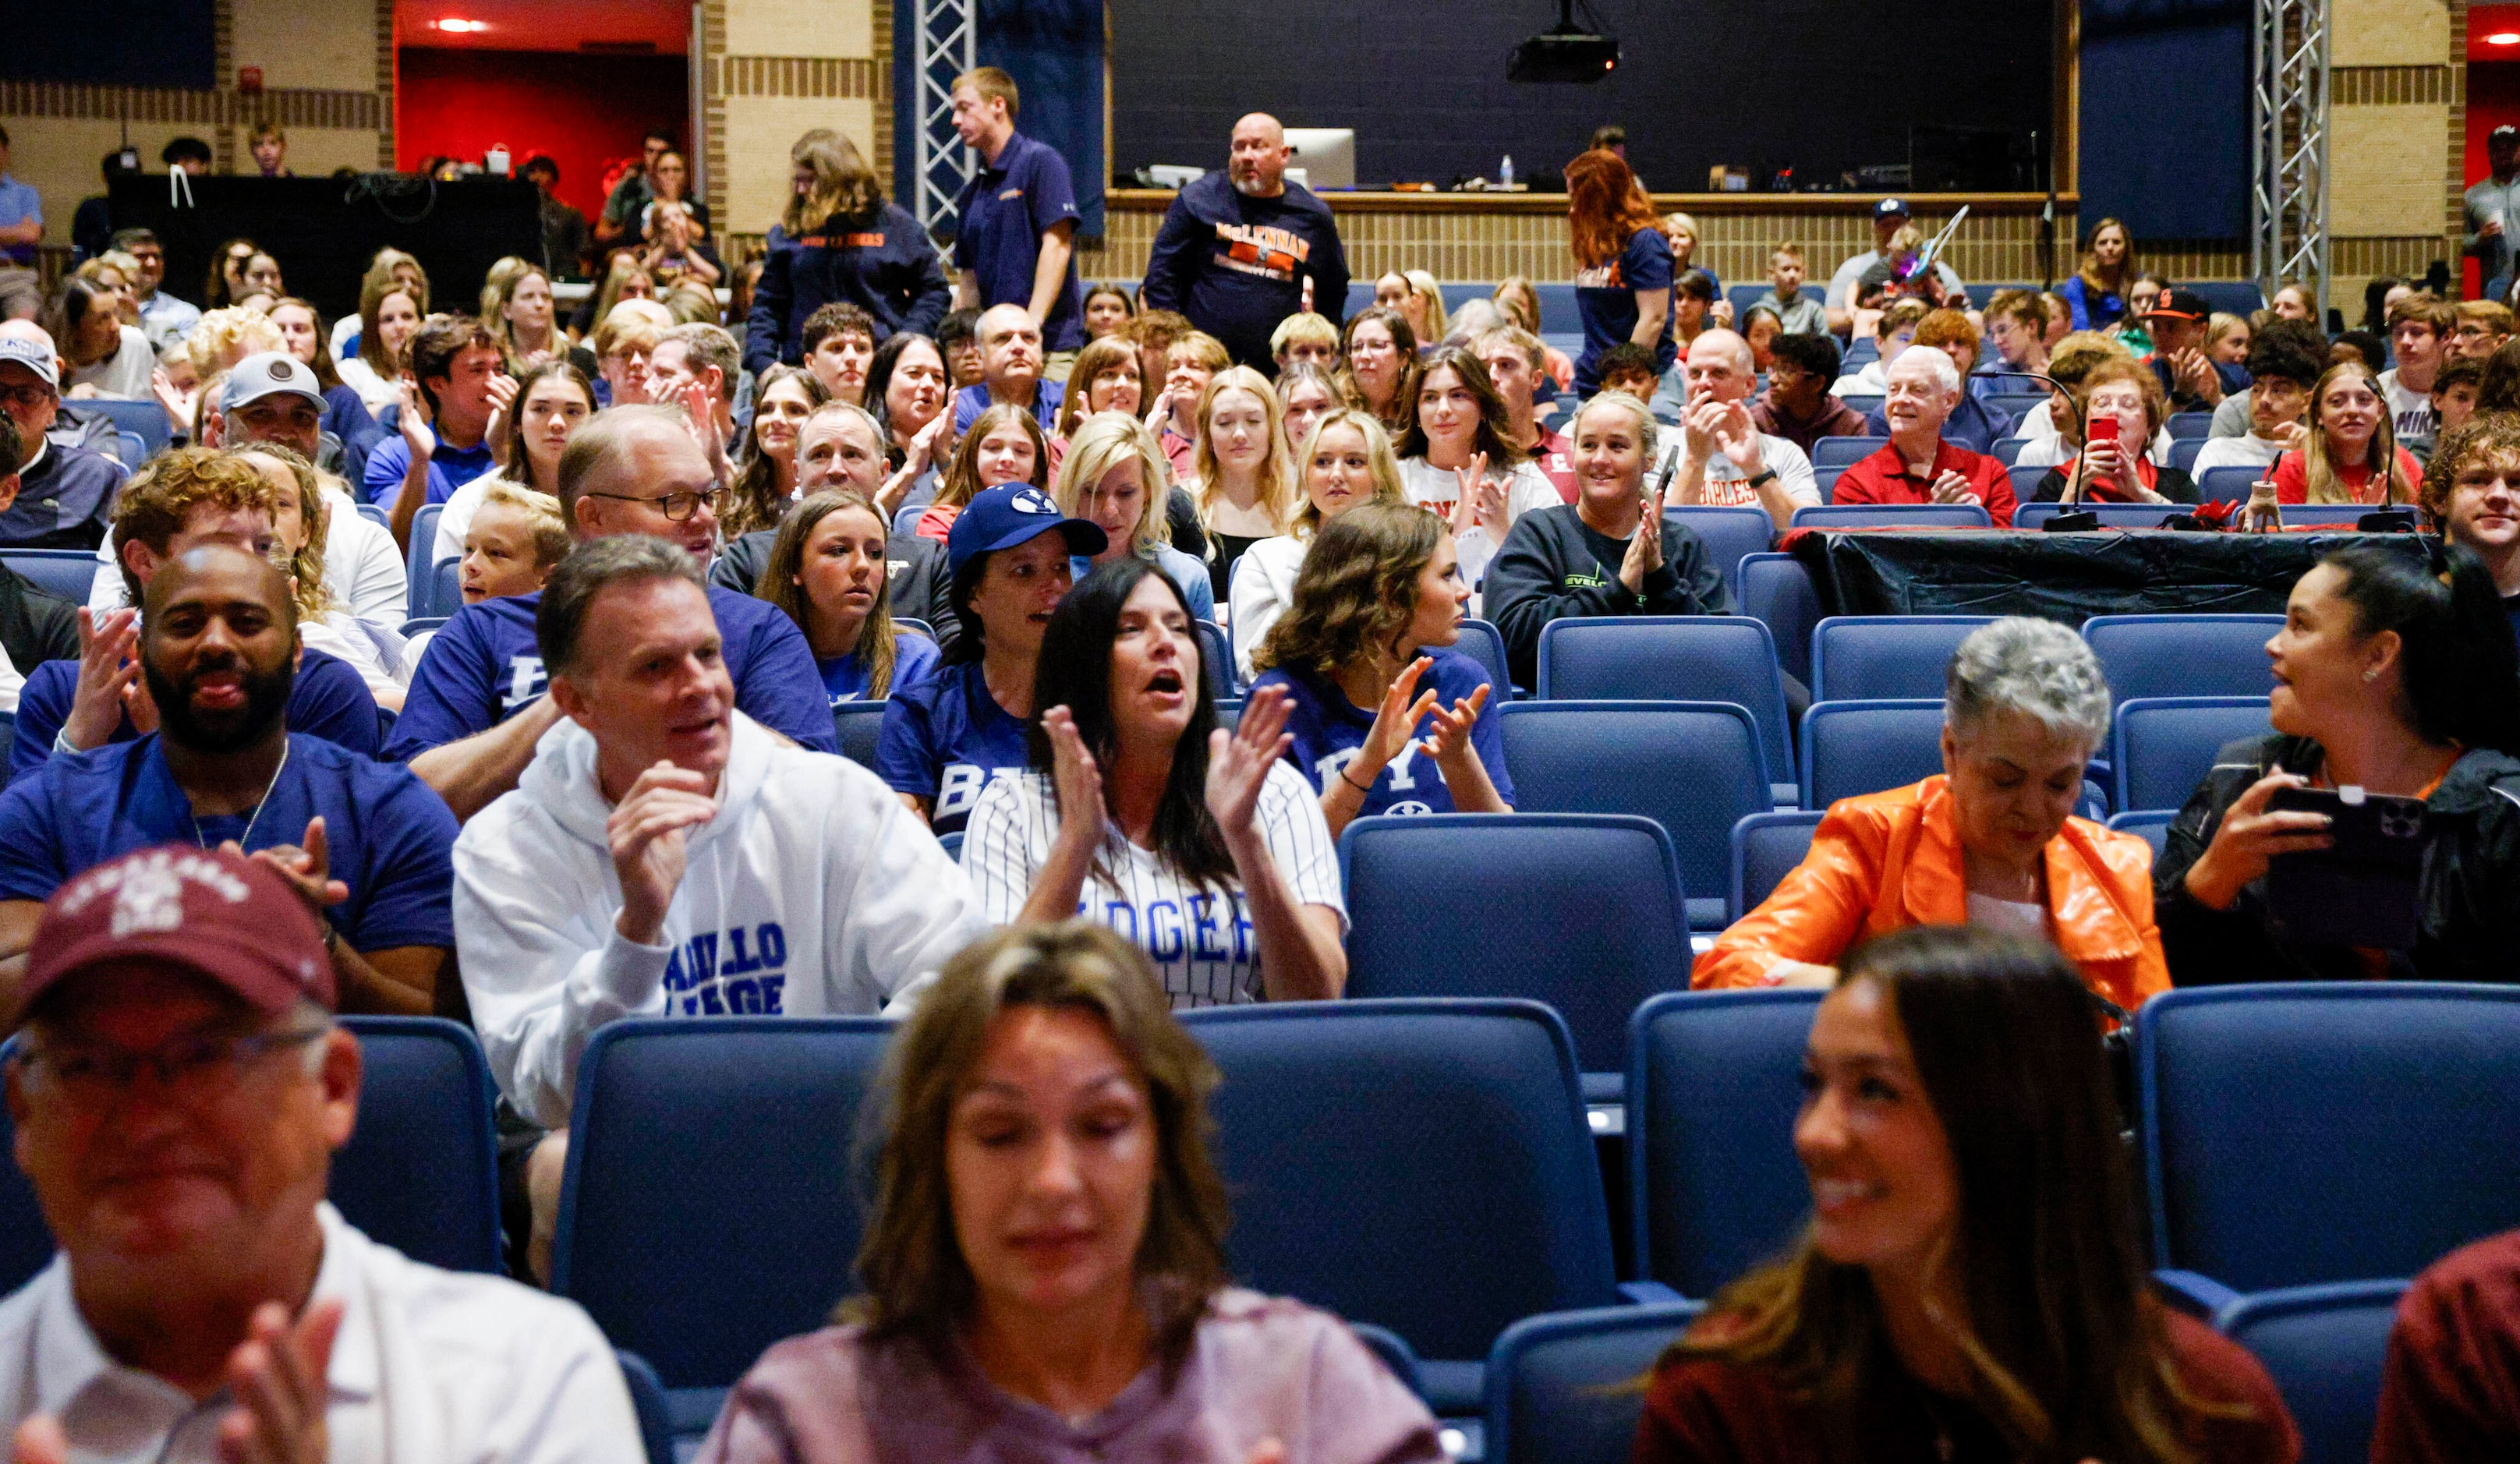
x: 1563, y: 54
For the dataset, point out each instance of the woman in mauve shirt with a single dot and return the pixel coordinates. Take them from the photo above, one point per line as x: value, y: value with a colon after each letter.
x: 1045, y: 1266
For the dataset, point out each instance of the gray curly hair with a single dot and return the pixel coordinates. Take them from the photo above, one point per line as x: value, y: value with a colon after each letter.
x: 2036, y: 667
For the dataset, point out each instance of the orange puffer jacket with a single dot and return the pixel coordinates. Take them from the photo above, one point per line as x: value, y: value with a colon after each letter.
x: 1888, y: 860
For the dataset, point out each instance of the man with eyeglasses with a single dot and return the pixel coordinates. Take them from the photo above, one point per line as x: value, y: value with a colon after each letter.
x: 179, y: 1085
x: 476, y: 707
x: 64, y: 493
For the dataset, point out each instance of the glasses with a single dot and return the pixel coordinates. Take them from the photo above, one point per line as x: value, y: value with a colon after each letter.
x: 25, y: 396
x: 679, y: 507
x: 203, y: 1064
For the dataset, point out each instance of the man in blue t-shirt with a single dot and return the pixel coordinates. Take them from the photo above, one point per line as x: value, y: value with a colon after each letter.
x: 366, y: 845
x: 1015, y: 238
x: 1011, y: 372
x: 477, y: 706
x: 444, y: 445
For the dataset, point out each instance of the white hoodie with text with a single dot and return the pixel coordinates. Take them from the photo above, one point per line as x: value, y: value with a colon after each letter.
x: 814, y: 891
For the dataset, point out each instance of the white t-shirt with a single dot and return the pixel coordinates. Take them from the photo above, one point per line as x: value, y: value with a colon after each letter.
x: 1436, y: 488
x: 373, y: 389
x: 1726, y: 484
x: 2410, y: 413
x: 2021, y: 917
x: 455, y: 519
x: 1872, y: 379
x: 1199, y: 938
x: 2251, y: 451
x: 124, y: 374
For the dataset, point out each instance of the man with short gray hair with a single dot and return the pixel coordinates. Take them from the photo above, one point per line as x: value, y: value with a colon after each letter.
x: 1920, y: 465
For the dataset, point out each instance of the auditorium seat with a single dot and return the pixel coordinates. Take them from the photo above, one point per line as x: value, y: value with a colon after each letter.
x: 1558, y: 312
x: 1714, y: 1082
x: 1581, y: 910
x: 2160, y: 747
x: 2034, y: 517
x: 2240, y: 297
x: 2182, y: 655
x: 1730, y: 532
x: 1940, y: 517
x: 130, y: 451
x: 419, y: 554
x: 444, y: 590
x: 1838, y: 452
x: 1216, y: 657
x: 2190, y: 425
x: 2017, y: 404
x: 1766, y: 847
x: 1558, y: 1385
x: 1484, y: 643
x: 2326, y: 1348
x: 142, y: 418
x: 1873, y: 657
x: 1980, y: 294
x: 1827, y: 479
x: 1855, y: 747
x: 859, y: 725
x: 2300, y: 1133
x: 2184, y: 451
x: 2151, y: 825
x: 66, y: 572
x: 374, y: 514
x: 2024, y: 481
x: 1862, y: 403
x: 1423, y: 1166
x: 1671, y: 658
x: 2007, y: 449
x: 648, y: 1403
x: 1707, y: 772
x: 2231, y: 485
x: 1776, y: 592
x: 694, y: 1225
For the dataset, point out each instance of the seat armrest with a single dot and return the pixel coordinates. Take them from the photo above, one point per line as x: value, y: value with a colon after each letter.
x: 1648, y: 1294
x: 2199, y: 1296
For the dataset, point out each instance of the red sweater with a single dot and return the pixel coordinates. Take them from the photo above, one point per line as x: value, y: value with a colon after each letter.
x: 1883, y: 478
x: 2292, y: 479
x: 2451, y: 1391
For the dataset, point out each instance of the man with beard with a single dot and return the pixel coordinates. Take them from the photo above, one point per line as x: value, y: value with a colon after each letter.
x: 365, y: 844
x: 1243, y: 249
x: 178, y: 502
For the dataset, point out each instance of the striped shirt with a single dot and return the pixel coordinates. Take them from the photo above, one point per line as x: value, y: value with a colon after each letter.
x: 1200, y: 937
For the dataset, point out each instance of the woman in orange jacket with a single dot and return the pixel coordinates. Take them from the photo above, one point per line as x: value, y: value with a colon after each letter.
x: 1990, y: 841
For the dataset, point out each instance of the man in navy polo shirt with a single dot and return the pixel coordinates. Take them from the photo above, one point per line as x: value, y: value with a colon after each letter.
x: 1239, y: 250
x: 365, y: 844
x: 476, y: 707
x: 1015, y: 244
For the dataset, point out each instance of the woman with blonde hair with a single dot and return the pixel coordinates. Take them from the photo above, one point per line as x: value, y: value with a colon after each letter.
x: 1520, y: 302
x: 517, y: 305
x: 1623, y: 265
x: 828, y: 569
x: 821, y: 253
x: 2350, y: 440
x: 1004, y: 445
x: 623, y: 279
x: 1114, y: 477
x: 1679, y: 230
x: 300, y: 529
x: 384, y: 265
x: 1346, y: 461
x: 1245, y: 487
x: 1418, y: 296
x: 1306, y: 393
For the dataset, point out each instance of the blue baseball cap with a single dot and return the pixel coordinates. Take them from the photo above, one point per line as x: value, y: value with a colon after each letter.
x: 1013, y: 513
x: 1890, y: 209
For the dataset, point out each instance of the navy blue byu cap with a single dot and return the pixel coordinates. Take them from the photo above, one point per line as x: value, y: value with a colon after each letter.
x: 1016, y: 513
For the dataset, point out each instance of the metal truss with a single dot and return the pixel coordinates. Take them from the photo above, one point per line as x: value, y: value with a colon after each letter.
x: 2288, y: 174
x: 946, y: 35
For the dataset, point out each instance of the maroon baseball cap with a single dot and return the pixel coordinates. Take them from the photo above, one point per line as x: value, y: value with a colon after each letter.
x: 216, y: 914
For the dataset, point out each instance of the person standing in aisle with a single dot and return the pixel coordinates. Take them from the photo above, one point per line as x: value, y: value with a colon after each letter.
x: 1238, y: 253
x: 1015, y: 242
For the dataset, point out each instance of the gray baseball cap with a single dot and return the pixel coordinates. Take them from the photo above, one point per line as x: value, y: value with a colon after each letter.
x: 35, y: 355
x: 270, y: 373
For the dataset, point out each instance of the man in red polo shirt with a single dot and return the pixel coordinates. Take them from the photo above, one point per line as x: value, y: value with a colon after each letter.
x: 1918, y: 467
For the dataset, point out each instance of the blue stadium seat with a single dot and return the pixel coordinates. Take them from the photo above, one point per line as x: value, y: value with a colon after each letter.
x: 66, y: 572
x: 1943, y: 516
x: 376, y: 516
x: 2228, y: 484
x: 2184, y: 655
x: 1585, y: 757
x: 1216, y: 657
x: 418, y: 623
x: 905, y: 519
x: 1674, y: 658
x: 1557, y: 1386
x: 2300, y: 1133
x: 1827, y: 479
x: 2024, y: 481
x: 1838, y: 452
x: 1860, y: 352
x: 1776, y: 592
x: 1861, y: 403
x: 1557, y: 309
x: 141, y: 417
x: 2153, y: 823
x: 2326, y: 1348
x: 1980, y: 294
x: 1445, y: 1232
x: 1766, y: 847
x: 1872, y: 657
x: 2184, y: 451
x: 1581, y: 910
x: 418, y: 559
x: 1742, y: 297
x: 2230, y: 297
x: 648, y: 1403
x: 2161, y: 746
x: 2007, y: 449
x: 1852, y: 747
x: 2034, y: 516
x: 693, y: 1227
x: 2329, y: 516
x: 1731, y: 532
x: 2190, y: 425
x: 1484, y: 643
x: 129, y: 449
x: 913, y: 623
x: 858, y: 725
x: 445, y: 594
x: 2016, y: 404
x: 1714, y: 1082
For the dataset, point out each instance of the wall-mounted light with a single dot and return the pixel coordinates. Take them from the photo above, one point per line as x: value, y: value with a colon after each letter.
x: 2503, y: 38
x: 455, y: 26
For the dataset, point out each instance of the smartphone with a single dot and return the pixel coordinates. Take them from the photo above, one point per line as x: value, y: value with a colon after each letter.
x: 2102, y: 429
x: 2362, y: 889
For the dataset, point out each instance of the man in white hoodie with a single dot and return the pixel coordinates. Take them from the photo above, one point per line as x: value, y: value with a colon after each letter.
x: 665, y: 855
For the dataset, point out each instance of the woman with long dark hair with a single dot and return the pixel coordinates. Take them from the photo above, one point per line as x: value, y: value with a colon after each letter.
x: 1380, y: 353
x: 827, y: 570
x: 226, y: 282
x: 907, y: 385
x: 1004, y: 445
x: 841, y: 239
x: 1458, y: 457
x: 2395, y: 673
x: 1623, y: 265
x: 765, y: 474
x: 1141, y: 812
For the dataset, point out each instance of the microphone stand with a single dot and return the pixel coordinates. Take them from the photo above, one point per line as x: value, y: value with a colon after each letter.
x: 2082, y: 428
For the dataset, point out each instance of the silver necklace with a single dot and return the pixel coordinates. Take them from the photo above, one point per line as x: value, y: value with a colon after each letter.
x: 245, y: 837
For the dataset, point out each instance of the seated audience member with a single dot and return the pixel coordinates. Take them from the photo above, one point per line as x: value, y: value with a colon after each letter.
x: 2055, y: 434
x: 2455, y: 387
x: 1347, y: 460
x: 623, y: 345
x: 444, y: 423
x: 1191, y: 361
x: 1002, y: 445
x: 839, y: 348
x: 957, y: 336
x: 828, y: 569
x: 1131, y: 817
x: 1382, y: 356
x: 1516, y: 363
x: 552, y: 401
x: 516, y: 303
x: 1797, y: 314
x: 2227, y: 339
x: 1798, y: 406
x: 2132, y: 330
x: 225, y: 1309
x: 1306, y: 337
x: 1107, y: 311
x: 346, y: 418
x: 1308, y: 394
x: 2190, y: 377
x: 1012, y: 557
x: 1011, y: 371
x: 1105, y: 378
x: 2367, y: 346
x: 2419, y: 336
x: 1719, y: 455
x: 1419, y: 296
x: 2098, y: 292
x: 1153, y: 332
x: 1761, y: 328
x: 516, y: 538
x: 1694, y: 298
x: 2399, y: 678
x: 270, y: 397
x: 840, y: 240
x: 1960, y: 1132
x: 1246, y: 488
x: 477, y: 706
x: 182, y: 500
x: 2482, y: 326
x: 1455, y: 459
x: 581, y: 897
x: 1132, y: 1339
x: 2016, y: 326
x: 2450, y: 1391
x: 162, y: 315
x: 1603, y: 555
x: 907, y: 388
x: 107, y: 358
x: 1973, y: 424
x: 765, y: 469
x: 2350, y: 435
x: 1378, y: 608
x: 2107, y: 471
x: 2472, y: 497
x: 391, y: 305
x: 65, y: 495
x: 36, y: 627
x: 695, y: 368
x: 1991, y: 840
x: 1108, y: 479
x: 1520, y: 302
x: 302, y: 522
x: 1631, y: 372
x: 218, y: 652
x: 2287, y: 358
x: 1920, y: 465
x: 2292, y: 302
x: 1893, y: 332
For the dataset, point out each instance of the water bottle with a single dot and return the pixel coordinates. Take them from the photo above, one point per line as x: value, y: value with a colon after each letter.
x: 1504, y: 172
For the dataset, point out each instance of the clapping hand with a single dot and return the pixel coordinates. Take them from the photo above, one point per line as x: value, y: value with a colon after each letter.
x: 1953, y: 488
x: 1078, y: 779
x: 1449, y: 738
x: 414, y: 421
x: 699, y: 411
x: 278, y: 1376
x: 306, y: 869
x: 1737, y: 436
x: 1480, y: 501
x: 1393, y: 723
x: 109, y: 678
x: 1644, y: 551
x: 503, y: 400
x: 1238, y: 762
